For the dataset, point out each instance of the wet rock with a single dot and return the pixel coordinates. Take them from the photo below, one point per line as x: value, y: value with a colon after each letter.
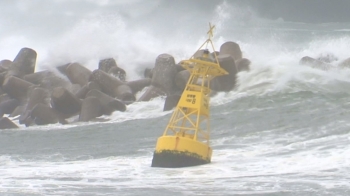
x: 8, y: 106
x: 225, y: 83
x: 91, y: 108
x: 65, y: 102
x: 164, y: 73
x: 150, y: 93
x: 108, y: 103
x: 243, y: 65
x: 118, y: 73
x: 6, y: 123
x: 78, y: 74
x: 231, y: 48
x: 309, y: 61
x: 24, y: 63
x: 16, y: 87
x: 138, y: 85
x: 106, y: 64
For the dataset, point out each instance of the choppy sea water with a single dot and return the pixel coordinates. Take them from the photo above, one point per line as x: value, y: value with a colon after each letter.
x: 279, y: 144
x: 284, y: 130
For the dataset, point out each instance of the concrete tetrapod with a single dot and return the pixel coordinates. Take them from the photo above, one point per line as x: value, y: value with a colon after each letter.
x: 4, y: 97
x: 108, y: 103
x: 138, y: 85
x: 171, y: 101
x: 107, y: 82
x: 226, y: 82
x: 38, y: 77
x: 125, y: 94
x: 181, y: 79
x: 65, y: 102
x: 16, y: 87
x: 243, y: 65
x: 164, y: 73
x: 2, y: 77
x: 78, y: 74
x: 118, y: 73
x: 5, y: 65
x: 18, y: 111
x: 81, y: 94
x: 91, y: 108
x: 150, y: 93
x: 54, y: 81
x: 345, y: 63
x: 232, y: 49
x: 6, y: 123
x: 106, y: 64
x: 43, y: 115
x: 309, y: 61
x: 8, y: 106
x: 24, y: 63
x: 37, y: 95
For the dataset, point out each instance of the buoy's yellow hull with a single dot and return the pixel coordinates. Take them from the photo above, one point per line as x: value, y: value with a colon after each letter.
x: 174, y: 151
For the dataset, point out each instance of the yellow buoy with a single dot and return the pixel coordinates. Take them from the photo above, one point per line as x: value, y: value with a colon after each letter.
x: 185, y: 141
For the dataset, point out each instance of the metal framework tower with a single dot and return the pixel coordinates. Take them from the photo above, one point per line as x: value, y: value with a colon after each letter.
x: 185, y: 141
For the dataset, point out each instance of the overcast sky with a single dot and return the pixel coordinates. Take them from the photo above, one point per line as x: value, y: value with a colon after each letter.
x: 35, y: 23
x: 53, y: 16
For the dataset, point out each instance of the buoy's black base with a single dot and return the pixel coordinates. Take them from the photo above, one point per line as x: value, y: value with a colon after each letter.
x: 174, y: 159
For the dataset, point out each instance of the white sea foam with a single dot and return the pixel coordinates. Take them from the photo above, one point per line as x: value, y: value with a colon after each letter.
x: 240, y: 166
